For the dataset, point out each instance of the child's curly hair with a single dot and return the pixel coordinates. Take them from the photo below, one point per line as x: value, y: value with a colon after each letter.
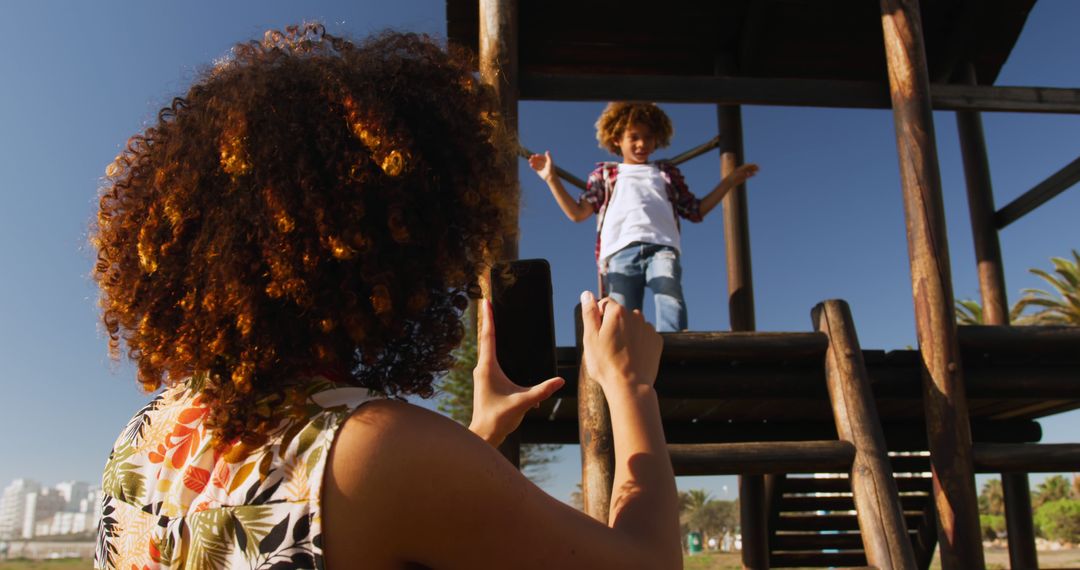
x: 310, y: 205
x: 621, y: 114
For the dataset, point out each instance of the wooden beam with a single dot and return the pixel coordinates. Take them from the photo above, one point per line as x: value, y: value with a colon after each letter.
x: 980, y: 194
x: 945, y: 401
x: 499, y: 69
x: 904, y: 436
x: 1027, y: 457
x: 753, y: 516
x: 744, y: 345
x: 835, y: 93
x: 1018, y: 521
x: 1057, y: 183
x: 595, y: 437
x: 877, y: 500
x: 1047, y: 341
x: 736, y: 223
x: 759, y: 458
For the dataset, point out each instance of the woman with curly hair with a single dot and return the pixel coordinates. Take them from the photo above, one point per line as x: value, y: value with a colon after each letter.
x: 289, y: 248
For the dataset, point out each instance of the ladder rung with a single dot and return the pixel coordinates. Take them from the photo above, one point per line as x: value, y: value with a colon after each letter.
x: 832, y: 522
x: 816, y: 559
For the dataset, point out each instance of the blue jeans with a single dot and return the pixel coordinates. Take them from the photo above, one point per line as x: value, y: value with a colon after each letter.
x: 641, y: 265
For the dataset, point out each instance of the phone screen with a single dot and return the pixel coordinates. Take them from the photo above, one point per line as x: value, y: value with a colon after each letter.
x: 524, y: 320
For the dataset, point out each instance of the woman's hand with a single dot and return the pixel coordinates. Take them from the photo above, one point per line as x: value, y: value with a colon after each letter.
x: 499, y: 405
x: 621, y: 349
x: 543, y: 165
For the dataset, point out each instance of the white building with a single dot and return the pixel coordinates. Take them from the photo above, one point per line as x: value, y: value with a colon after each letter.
x: 74, y: 492
x: 40, y: 506
x: 13, y: 507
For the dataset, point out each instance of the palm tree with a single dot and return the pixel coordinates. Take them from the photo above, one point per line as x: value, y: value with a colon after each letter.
x: 992, y: 498
x: 1052, y: 310
x: 1051, y: 489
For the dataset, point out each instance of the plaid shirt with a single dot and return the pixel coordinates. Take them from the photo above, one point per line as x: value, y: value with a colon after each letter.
x: 601, y: 187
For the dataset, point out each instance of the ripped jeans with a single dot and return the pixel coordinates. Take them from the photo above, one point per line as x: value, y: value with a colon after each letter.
x: 641, y: 265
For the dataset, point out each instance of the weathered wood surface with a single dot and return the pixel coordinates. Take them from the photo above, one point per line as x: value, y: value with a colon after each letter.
x: 1018, y: 521
x: 1027, y: 458
x: 1055, y: 184
x: 980, y: 195
x: 595, y: 437
x: 498, y: 59
x: 743, y: 346
x: 761, y: 458
x: 873, y: 488
x: 736, y: 223
x: 945, y: 401
x: 830, y: 93
x: 753, y: 519
x: 1060, y: 342
x: 901, y: 436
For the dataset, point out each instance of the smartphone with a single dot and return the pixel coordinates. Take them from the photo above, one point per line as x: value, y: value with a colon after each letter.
x: 524, y: 320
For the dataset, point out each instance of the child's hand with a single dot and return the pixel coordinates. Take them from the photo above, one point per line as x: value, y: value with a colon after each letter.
x: 543, y: 165
x: 742, y: 173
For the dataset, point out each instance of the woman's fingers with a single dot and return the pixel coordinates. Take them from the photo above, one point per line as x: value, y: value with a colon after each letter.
x: 485, y: 334
x: 590, y: 316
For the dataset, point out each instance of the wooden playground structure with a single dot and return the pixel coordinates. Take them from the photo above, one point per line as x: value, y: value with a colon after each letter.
x: 903, y: 432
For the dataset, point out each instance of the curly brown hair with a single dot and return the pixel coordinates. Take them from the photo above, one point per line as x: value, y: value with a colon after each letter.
x: 310, y: 205
x: 621, y: 114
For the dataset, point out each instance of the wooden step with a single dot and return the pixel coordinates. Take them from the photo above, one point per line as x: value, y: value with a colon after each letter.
x: 818, y: 541
x: 816, y: 559
x: 808, y: 503
x: 843, y: 484
x: 808, y: 522
x: 761, y: 457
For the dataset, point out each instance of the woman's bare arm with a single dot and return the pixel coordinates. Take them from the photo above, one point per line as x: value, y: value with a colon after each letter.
x: 405, y: 485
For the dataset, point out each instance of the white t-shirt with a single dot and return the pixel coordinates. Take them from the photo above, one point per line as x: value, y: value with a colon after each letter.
x: 639, y: 211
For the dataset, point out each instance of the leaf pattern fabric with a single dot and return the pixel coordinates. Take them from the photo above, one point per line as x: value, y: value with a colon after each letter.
x: 171, y: 500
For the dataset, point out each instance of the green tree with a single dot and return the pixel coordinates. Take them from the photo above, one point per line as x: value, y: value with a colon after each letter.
x: 992, y: 498
x: 456, y: 400
x: 1051, y: 489
x: 1061, y: 307
x: 699, y: 512
x: 1059, y: 520
x: 993, y: 526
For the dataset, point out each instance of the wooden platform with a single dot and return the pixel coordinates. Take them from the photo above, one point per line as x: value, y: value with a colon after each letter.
x: 809, y: 39
x: 751, y: 394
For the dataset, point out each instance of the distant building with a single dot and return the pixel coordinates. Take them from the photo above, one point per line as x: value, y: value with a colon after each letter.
x: 13, y: 507
x: 74, y: 492
x: 41, y: 506
x: 28, y: 510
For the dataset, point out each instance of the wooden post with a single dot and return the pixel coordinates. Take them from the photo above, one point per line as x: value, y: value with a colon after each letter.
x: 980, y: 195
x: 877, y: 499
x: 755, y: 552
x: 1018, y: 521
x: 594, y: 433
x: 499, y: 69
x: 754, y: 522
x: 736, y: 223
x: 1022, y: 553
x: 948, y: 431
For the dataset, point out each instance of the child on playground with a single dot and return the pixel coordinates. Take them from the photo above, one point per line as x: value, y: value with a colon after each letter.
x: 637, y: 204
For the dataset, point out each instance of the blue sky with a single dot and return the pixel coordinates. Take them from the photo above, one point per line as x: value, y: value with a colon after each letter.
x: 826, y: 217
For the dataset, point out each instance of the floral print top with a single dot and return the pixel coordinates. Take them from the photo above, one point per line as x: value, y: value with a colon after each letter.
x: 170, y: 500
